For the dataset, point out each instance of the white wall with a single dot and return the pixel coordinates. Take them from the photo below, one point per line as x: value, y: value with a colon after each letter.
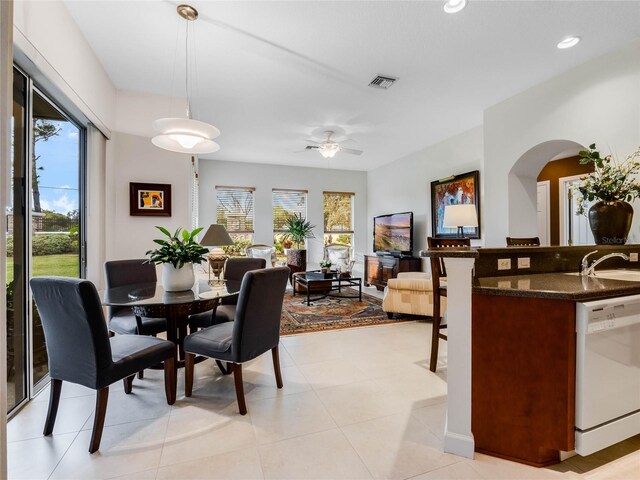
x: 48, y: 36
x: 405, y: 184
x: 266, y: 177
x: 595, y: 102
x: 132, y: 158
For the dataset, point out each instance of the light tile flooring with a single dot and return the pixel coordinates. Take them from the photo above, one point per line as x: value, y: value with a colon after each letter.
x: 358, y: 403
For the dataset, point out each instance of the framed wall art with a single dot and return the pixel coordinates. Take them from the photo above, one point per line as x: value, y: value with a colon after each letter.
x: 454, y: 190
x: 149, y: 199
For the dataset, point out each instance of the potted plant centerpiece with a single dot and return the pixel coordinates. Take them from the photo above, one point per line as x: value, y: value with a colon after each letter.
x: 177, y: 254
x: 297, y: 229
x: 325, y: 265
x: 612, y: 185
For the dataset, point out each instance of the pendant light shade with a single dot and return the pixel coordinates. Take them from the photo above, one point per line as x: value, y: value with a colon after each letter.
x: 185, y: 135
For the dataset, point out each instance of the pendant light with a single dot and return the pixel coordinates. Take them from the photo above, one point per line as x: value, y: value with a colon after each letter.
x: 185, y: 135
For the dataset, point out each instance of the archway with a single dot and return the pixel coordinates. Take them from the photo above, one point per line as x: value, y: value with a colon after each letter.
x: 522, y: 188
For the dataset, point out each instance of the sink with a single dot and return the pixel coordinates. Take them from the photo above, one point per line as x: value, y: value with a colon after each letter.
x: 625, y: 275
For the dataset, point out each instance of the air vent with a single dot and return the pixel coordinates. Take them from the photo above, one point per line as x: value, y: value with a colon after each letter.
x: 382, y: 81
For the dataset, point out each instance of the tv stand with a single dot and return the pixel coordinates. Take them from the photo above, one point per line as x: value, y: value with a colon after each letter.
x: 378, y: 269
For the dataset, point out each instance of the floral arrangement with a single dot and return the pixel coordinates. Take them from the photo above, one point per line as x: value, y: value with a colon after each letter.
x: 325, y: 263
x: 610, y: 181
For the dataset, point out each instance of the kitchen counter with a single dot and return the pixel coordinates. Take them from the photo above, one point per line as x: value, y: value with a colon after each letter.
x: 562, y: 286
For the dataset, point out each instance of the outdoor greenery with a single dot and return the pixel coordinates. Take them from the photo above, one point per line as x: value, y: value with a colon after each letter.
x: 180, y: 248
x: 66, y: 265
x: 49, y: 244
x: 298, y: 229
x: 610, y: 181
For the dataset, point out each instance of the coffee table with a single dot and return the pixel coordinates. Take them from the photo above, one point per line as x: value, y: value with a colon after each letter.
x: 314, y: 281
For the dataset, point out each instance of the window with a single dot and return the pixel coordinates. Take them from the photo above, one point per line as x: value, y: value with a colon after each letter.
x: 338, y: 218
x: 234, y: 210
x: 285, y: 204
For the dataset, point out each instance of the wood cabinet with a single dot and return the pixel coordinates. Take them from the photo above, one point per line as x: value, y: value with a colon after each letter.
x: 379, y: 269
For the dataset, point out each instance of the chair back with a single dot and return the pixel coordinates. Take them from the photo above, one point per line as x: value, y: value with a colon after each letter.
x: 523, y: 241
x: 234, y: 270
x: 256, y: 327
x: 118, y: 273
x: 74, y: 329
x: 338, y: 254
x: 260, y: 250
x: 438, y: 269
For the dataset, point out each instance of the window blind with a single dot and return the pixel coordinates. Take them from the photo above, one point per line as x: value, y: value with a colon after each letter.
x: 338, y: 212
x: 234, y: 208
x: 285, y: 204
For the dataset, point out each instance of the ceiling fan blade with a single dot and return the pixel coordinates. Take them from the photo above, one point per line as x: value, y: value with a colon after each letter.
x: 311, y: 147
x: 351, y: 151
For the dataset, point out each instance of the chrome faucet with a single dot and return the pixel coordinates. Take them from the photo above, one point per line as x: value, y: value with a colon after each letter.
x: 591, y: 270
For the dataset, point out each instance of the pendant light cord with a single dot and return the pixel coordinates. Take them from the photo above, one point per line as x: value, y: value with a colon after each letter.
x: 186, y: 54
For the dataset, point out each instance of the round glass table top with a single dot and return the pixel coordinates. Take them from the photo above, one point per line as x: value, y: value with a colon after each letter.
x: 140, y: 294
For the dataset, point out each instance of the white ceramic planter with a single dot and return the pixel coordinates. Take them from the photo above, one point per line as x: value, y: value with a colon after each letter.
x: 177, y: 279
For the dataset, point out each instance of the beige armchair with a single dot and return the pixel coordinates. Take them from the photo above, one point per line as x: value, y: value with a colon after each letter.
x: 410, y: 293
x: 260, y: 250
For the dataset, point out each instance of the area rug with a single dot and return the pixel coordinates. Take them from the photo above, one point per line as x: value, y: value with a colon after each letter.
x: 331, y: 313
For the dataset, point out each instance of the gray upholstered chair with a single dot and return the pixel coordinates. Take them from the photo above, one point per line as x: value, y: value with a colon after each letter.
x: 254, y: 331
x: 119, y: 273
x: 234, y: 270
x: 80, y: 350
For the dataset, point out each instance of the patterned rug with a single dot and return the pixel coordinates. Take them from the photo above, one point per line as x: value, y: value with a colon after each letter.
x: 331, y: 313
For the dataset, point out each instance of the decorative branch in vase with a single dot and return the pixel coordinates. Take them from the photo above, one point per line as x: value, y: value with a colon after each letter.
x: 612, y: 185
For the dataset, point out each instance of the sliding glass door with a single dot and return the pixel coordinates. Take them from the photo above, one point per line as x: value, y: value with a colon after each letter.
x: 45, y: 224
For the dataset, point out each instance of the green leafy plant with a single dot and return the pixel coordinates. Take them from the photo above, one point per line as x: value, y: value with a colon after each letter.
x: 298, y: 229
x: 180, y: 248
x: 610, y: 181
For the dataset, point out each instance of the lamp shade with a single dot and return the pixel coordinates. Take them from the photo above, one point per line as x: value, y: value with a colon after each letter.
x: 215, y: 236
x: 460, y: 216
x: 185, y: 135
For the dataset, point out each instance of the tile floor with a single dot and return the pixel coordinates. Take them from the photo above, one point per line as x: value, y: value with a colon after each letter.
x: 358, y: 403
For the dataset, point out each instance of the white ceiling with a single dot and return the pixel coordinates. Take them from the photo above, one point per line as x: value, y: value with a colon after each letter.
x: 273, y: 74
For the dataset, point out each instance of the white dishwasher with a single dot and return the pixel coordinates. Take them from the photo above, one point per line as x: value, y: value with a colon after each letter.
x: 607, y: 372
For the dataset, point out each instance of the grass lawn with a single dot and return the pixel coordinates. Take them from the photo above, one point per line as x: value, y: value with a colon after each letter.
x: 65, y: 265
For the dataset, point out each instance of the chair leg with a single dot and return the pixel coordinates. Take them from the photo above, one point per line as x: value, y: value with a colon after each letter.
x: 275, y: 354
x: 140, y: 374
x: 54, y: 401
x: 435, y: 340
x: 225, y: 370
x: 189, y: 362
x: 237, y: 378
x: 170, y: 380
x: 128, y: 384
x: 102, y: 397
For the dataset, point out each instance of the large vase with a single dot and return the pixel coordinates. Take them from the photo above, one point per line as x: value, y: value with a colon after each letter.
x: 610, y: 222
x: 177, y: 279
x: 296, y: 261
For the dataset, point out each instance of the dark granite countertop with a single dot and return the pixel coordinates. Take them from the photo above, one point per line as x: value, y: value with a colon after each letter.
x: 555, y: 286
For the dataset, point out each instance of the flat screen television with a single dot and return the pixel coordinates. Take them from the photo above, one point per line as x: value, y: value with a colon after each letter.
x: 393, y: 234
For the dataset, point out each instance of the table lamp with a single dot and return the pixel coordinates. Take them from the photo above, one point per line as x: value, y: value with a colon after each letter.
x: 216, y: 236
x: 460, y: 216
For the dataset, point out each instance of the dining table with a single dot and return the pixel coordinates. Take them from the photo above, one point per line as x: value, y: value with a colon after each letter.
x: 151, y: 300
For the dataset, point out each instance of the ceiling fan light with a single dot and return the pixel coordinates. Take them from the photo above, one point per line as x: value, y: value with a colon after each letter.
x: 454, y: 6
x: 329, y: 150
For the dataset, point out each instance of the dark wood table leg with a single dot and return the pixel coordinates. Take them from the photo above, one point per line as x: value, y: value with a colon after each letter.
x: 360, y: 290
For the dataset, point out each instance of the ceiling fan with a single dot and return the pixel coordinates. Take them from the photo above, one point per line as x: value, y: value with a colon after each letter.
x: 329, y: 148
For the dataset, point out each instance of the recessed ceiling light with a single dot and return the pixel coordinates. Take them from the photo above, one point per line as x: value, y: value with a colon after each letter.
x: 569, y: 42
x: 454, y: 6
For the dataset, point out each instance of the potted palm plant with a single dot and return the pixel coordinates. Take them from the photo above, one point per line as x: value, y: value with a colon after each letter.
x: 612, y: 185
x: 177, y: 254
x: 297, y: 229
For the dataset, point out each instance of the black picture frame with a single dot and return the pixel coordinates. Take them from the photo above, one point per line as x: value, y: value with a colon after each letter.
x: 463, y: 188
x: 149, y: 199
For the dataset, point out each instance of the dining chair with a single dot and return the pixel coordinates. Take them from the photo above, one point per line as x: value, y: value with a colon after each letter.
x: 260, y: 250
x: 234, y: 269
x: 120, y: 273
x: 254, y: 331
x: 523, y: 241
x: 81, y: 351
x: 438, y: 281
